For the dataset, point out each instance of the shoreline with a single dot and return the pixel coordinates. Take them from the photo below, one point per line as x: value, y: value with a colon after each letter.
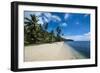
x: 50, y: 52
x: 41, y: 44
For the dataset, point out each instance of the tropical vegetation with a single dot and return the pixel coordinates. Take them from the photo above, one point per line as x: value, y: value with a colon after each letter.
x: 35, y: 33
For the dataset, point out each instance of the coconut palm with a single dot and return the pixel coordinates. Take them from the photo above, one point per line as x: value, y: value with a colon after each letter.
x: 35, y: 33
x: 31, y: 28
x: 58, y: 31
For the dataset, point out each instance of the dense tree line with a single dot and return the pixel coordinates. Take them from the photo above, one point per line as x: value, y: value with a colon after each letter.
x: 35, y: 33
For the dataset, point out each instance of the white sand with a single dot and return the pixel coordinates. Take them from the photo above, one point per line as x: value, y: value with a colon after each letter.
x: 47, y: 52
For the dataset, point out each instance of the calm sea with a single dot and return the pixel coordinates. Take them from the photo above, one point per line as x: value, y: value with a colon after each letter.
x: 82, y: 47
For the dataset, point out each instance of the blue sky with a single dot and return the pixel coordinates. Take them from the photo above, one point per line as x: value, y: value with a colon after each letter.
x: 74, y: 26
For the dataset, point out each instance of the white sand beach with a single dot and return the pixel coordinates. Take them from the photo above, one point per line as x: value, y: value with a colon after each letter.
x: 50, y: 51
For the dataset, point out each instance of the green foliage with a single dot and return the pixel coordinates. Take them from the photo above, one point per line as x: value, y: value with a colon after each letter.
x: 35, y: 33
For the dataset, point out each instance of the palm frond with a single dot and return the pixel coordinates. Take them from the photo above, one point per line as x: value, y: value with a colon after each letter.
x: 27, y: 19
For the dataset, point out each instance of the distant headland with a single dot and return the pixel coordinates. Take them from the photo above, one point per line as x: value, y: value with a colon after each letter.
x: 68, y: 39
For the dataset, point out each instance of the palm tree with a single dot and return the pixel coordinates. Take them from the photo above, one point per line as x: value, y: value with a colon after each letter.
x: 45, y: 26
x: 36, y: 33
x: 31, y: 29
x: 58, y: 31
x: 52, y: 36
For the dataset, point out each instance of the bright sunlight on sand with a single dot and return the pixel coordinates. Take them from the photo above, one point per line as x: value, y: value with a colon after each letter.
x: 53, y: 51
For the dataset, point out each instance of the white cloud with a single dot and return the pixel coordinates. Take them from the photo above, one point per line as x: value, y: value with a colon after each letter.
x: 52, y: 17
x: 87, y: 34
x: 63, y: 24
x: 66, y: 16
x: 55, y: 18
x: 44, y: 17
x: 47, y: 17
x: 38, y: 13
x: 40, y: 21
x: 84, y: 37
x: 86, y: 15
